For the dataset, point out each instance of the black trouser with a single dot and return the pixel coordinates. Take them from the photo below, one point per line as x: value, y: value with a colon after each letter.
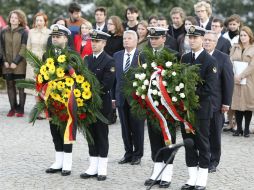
x: 239, y: 119
x: 58, y: 139
x: 216, y: 125
x: 199, y: 154
x: 157, y: 142
x: 132, y: 132
x: 100, y: 145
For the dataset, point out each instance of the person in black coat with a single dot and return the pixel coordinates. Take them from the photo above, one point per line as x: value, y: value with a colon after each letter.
x: 221, y: 98
x: 100, y: 15
x: 223, y: 44
x: 198, y: 156
x: 103, y: 66
x: 132, y: 127
x: 157, y: 38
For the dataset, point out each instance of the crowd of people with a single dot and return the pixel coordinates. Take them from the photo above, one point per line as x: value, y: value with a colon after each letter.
x: 224, y: 48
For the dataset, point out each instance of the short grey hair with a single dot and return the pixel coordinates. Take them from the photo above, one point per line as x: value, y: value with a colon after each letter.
x: 132, y: 32
x: 213, y: 33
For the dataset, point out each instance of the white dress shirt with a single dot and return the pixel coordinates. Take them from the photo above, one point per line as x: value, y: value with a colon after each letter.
x: 126, y: 56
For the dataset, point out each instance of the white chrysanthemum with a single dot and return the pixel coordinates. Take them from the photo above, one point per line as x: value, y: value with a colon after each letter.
x: 154, y: 82
x: 134, y: 84
x: 153, y: 64
x: 142, y: 76
x: 174, y: 73
x: 144, y: 65
x: 159, y: 93
x: 137, y: 93
x: 156, y: 103
x: 174, y: 99
x: 155, y: 92
x: 143, y: 96
x: 181, y: 85
x: 146, y: 82
x: 143, y: 87
x: 164, y: 83
x: 177, y: 89
x: 163, y: 73
x: 182, y: 95
x: 137, y: 76
x: 168, y: 64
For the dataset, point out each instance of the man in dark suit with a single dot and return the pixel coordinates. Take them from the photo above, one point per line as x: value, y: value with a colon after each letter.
x: 221, y: 98
x: 103, y: 66
x: 157, y: 38
x: 198, y: 156
x: 100, y: 15
x: 223, y: 44
x: 132, y: 128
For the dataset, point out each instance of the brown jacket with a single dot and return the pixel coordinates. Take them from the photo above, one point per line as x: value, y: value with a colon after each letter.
x: 13, y: 44
x: 243, y: 95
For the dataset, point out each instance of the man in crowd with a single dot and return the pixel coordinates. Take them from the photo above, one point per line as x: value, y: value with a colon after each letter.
x: 100, y: 19
x: 221, y: 98
x: 198, y: 156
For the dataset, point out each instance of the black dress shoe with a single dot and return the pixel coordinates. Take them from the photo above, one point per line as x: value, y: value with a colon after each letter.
x: 238, y: 133
x: 246, y: 135
x: 149, y: 182
x: 52, y: 171
x: 124, y: 160
x: 187, y: 187
x: 101, y: 177
x: 164, y: 184
x: 199, y: 187
x: 135, y: 161
x: 212, y: 169
x: 86, y: 176
x: 66, y: 172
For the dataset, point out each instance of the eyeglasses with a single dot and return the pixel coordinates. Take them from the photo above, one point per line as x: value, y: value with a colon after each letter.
x: 200, y: 11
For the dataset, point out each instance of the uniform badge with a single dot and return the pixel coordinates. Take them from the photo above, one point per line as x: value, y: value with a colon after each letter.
x: 192, y: 29
x: 94, y: 34
x: 152, y: 31
x: 55, y: 29
x: 215, y: 70
x: 112, y: 69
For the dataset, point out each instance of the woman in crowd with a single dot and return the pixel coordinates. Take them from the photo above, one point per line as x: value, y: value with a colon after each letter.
x: 114, y: 44
x: 82, y: 41
x: 153, y: 21
x: 243, y: 95
x: 131, y: 15
x: 37, y: 41
x: 13, y: 44
x: 142, y: 34
x: 183, y: 39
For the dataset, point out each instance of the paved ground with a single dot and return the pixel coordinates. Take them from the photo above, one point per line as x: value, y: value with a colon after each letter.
x: 26, y: 151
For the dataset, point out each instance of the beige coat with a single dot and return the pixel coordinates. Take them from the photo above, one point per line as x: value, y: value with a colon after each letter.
x: 243, y: 95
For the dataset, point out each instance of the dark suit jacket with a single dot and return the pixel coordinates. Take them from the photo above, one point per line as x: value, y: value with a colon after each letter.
x: 104, y: 69
x: 223, y: 45
x: 225, y: 83
x: 209, y: 75
x: 118, y: 56
x: 105, y: 28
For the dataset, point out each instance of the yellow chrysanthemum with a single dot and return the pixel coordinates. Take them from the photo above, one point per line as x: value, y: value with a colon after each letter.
x: 80, y: 102
x: 43, y: 69
x: 80, y: 79
x: 52, y: 69
x: 52, y: 85
x: 62, y: 100
x: 77, y: 93
x: 60, y: 72
x: 69, y: 81
x: 66, y: 93
x: 61, y: 58
x: 60, y: 85
x: 40, y: 79
x: 85, y: 85
x: 87, y: 95
x: 50, y: 62
x: 56, y: 96
x: 46, y: 76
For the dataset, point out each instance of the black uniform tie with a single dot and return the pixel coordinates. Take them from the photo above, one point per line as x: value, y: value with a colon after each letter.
x: 192, y: 57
